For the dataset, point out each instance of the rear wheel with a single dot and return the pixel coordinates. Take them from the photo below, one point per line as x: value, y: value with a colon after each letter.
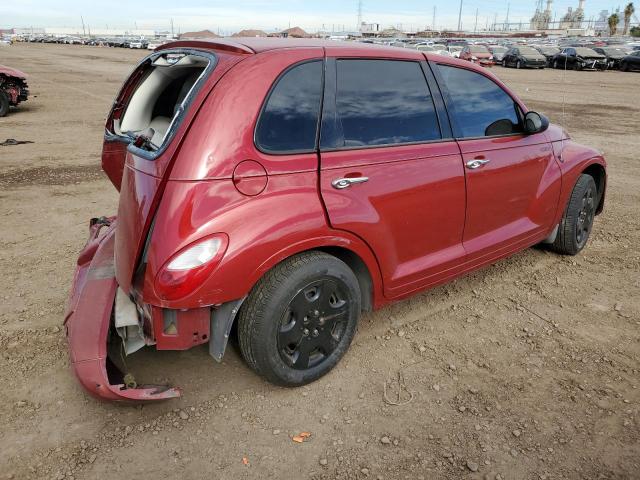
x: 4, y: 103
x: 577, y: 221
x: 300, y: 318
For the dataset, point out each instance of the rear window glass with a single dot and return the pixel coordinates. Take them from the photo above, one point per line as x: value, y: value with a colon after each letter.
x: 289, y: 120
x: 384, y: 102
x: 480, y: 107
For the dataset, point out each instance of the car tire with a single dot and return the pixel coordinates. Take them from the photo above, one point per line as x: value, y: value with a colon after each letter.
x: 4, y: 103
x: 286, y: 329
x: 624, y: 67
x: 518, y: 65
x: 577, y: 221
x: 555, y: 64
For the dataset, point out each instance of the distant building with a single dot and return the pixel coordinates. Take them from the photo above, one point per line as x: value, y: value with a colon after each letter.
x: 198, y: 35
x: 295, y: 32
x: 573, y: 18
x: 250, y: 33
x: 541, y: 19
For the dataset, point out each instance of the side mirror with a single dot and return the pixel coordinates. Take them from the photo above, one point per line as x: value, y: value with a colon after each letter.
x: 535, y: 123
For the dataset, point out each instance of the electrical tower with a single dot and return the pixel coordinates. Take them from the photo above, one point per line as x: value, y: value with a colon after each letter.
x: 359, y: 26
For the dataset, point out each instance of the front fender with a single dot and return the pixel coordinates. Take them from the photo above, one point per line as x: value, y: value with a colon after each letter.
x: 575, y: 159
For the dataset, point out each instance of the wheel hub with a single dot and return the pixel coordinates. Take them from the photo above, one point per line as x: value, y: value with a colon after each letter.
x: 585, y: 217
x: 313, y: 323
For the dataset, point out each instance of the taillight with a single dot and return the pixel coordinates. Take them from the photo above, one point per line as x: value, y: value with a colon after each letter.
x: 187, y: 269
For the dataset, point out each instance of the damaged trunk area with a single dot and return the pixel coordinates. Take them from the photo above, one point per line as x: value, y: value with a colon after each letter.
x: 151, y: 106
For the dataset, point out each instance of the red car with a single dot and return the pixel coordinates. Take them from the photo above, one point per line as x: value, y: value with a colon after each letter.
x: 477, y: 54
x: 13, y: 88
x: 289, y: 185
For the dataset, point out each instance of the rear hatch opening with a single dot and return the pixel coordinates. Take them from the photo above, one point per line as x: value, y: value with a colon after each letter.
x: 166, y: 83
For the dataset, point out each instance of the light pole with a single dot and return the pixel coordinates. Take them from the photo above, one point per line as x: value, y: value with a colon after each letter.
x: 460, y: 17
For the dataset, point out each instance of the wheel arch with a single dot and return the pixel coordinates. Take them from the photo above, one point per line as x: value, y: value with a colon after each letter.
x: 354, y: 253
x: 599, y: 174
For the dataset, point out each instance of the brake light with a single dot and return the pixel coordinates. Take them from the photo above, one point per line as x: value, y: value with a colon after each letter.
x: 186, y: 270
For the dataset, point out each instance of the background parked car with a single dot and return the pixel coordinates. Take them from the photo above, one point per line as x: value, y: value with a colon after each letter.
x: 140, y: 43
x: 524, y: 57
x: 579, y: 58
x: 614, y: 55
x: 498, y: 52
x: 477, y: 54
x: 548, y: 51
x: 455, y: 50
x: 631, y: 62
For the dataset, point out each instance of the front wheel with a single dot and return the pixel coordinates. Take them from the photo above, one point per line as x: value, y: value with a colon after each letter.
x: 300, y: 318
x: 518, y: 65
x: 577, y: 221
x: 4, y: 103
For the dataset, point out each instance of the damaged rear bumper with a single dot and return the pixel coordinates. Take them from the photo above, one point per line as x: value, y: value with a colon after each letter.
x: 88, y: 319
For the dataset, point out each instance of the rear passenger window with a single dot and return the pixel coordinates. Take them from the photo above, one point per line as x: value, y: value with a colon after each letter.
x: 383, y: 102
x: 289, y: 120
x: 479, y: 106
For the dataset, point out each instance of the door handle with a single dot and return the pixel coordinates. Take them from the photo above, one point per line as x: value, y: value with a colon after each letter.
x: 341, y: 183
x: 477, y: 163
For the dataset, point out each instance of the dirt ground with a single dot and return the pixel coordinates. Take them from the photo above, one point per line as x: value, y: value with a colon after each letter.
x: 528, y: 369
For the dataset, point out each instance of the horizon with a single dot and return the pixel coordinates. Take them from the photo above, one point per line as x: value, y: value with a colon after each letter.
x: 331, y: 15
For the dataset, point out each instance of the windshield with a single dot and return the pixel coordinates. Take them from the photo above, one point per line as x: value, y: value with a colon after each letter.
x: 613, y: 51
x: 529, y: 51
x: 478, y: 49
x: 586, y: 52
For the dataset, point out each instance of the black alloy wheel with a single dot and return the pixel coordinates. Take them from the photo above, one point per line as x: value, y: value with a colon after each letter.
x: 585, y: 218
x: 300, y: 318
x: 314, y: 323
x: 577, y: 222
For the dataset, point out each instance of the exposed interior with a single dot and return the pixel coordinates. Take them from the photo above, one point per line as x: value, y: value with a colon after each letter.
x: 156, y: 103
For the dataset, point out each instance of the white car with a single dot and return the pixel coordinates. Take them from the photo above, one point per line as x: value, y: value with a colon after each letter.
x: 155, y: 44
x: 443, y: 52
x: 138, y: 44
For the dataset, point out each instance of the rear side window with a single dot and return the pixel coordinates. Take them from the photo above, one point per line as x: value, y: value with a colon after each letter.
x: 480, y: 107
x: 289, y: 120
x: 383, y: 102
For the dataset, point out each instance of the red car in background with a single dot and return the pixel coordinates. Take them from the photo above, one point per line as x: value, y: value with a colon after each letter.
x: 478, y: 54
x: 13, y: 88
x: 289, y: 185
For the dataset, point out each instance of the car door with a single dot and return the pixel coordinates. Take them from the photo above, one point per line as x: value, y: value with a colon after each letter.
x: 390, y: 171
x: 570, y: 57
x: 512, y: 179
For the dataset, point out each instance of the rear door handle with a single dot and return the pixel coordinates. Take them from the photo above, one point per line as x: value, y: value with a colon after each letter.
x: 476, y: 163
x: 341, y: 183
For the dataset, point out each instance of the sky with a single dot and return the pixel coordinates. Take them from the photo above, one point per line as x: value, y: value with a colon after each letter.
x: 230, y: 16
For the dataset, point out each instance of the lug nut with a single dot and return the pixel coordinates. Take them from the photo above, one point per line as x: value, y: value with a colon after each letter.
x: 305, y: 332
x: 316, y: 333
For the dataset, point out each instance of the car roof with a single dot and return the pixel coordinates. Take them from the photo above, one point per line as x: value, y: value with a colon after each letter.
x: 260, y: 44
x: 250, y: 45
